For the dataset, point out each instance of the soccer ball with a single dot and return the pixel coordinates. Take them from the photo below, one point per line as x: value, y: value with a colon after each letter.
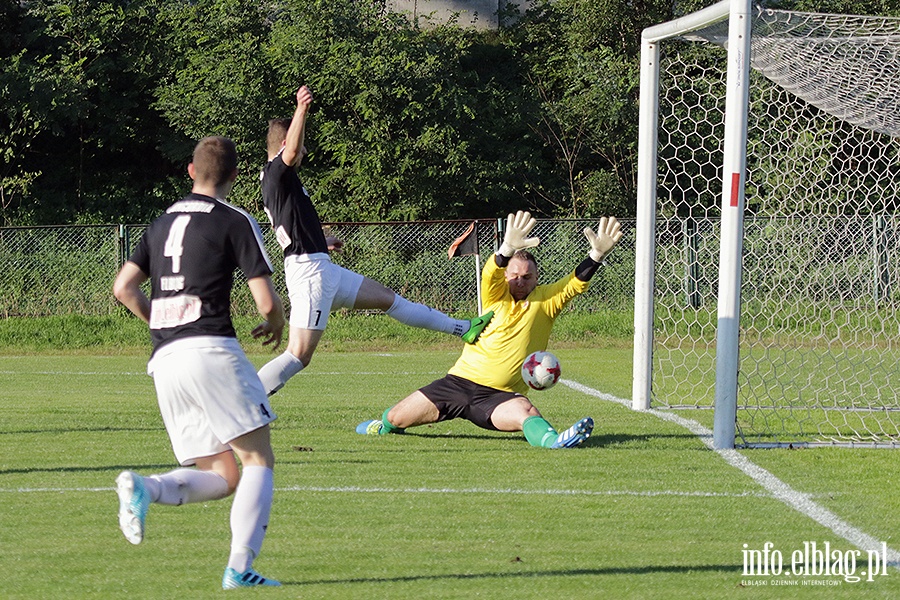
x: 541, y: 370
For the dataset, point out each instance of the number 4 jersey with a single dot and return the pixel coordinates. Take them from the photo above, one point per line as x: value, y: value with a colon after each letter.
x: 190, y: 254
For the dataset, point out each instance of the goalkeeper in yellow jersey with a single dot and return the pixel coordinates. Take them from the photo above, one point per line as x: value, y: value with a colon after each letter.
x: 485, y: 385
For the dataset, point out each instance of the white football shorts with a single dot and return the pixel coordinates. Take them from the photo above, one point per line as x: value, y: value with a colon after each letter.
x: 316, y: 286
x: 208, y: 394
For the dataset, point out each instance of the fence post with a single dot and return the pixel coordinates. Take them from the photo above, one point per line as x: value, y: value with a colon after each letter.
x: 122, y: 245
x: 882, y: 277
x: 690, y: 231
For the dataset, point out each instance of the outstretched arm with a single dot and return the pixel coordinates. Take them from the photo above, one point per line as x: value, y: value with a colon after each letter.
x: 296, y: 133
x: 518, y: 226
x: 609, y: 232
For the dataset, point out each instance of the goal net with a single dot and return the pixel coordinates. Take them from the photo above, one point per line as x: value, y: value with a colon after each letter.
x: 819, y: 326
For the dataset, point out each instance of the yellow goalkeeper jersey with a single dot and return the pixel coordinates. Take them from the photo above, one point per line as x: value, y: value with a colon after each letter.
x: 516, y: 330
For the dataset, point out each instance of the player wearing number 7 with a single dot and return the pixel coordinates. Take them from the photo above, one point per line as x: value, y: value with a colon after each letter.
x: 316, y: 286
x: 485, y: 385
x: 212, y: 402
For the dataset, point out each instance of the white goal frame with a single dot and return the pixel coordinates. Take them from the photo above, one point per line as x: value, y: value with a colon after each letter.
x: 738, y: 14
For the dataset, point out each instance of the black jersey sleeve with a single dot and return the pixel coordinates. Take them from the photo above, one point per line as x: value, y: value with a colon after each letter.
x: 141, y: 255
x: 586, y: 269
x: 249, y: 249
x: 288, y: 205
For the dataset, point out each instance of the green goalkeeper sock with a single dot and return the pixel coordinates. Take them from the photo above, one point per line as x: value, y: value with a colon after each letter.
x: 386, y: 425
x: 539, y: 432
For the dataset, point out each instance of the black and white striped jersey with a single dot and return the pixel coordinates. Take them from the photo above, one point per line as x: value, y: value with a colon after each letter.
x: 190, y: 254
x: 287, y: 204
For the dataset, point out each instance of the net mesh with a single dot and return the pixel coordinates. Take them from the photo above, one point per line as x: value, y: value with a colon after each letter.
x: 819, y: 321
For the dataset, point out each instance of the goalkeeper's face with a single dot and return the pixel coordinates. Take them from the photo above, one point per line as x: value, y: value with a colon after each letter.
x: 522, y: 277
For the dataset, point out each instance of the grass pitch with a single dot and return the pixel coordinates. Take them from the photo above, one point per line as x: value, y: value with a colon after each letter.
x: 643, y: 510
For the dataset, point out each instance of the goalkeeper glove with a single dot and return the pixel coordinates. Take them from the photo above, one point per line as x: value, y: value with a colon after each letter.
x: 518, y: 226
x: 608, y: 235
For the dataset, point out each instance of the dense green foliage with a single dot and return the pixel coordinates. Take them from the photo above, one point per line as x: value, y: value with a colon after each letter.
x: 103, y: 101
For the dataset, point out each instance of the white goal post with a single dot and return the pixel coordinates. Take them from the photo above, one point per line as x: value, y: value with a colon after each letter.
x: 767, y: 276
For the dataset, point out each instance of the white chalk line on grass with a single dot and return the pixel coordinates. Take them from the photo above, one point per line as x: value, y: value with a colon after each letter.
x: 75, y: 373
x: 144, y: 373
x: 778, y: 489
x: 425, y: 490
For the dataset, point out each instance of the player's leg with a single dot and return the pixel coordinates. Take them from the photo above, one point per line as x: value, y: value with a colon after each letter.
x: 302, y: 344
x: 177, y: 374
x: 415, y: 409
x: 505, y: 411
x: 374, y: 295
x: 251, y: 508
x: 519, y: 414
x: 312, y: 286
x: 512, y: 414
x: 215, y: 477
x: 245, y: 427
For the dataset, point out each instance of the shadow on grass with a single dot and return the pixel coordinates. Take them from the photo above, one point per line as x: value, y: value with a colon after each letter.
x: 76, y: 429
x: 600, y: 440
x: 495, y: 436
x: 107, y: 468
x: 638, y: 570
x: 615, y: 439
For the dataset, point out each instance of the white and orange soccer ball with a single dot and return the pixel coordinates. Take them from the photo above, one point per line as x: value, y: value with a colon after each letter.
x: 541, y: 370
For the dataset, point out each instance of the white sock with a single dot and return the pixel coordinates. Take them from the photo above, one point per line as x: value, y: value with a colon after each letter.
x: 275, y: 373
x: 419, y: 315
x: 184, y: 486
x: 250, y: 516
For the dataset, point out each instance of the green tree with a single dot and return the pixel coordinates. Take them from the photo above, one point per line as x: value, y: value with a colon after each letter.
x: 102, y: 102
x: 81, y: 141
x: 582, y: 60
x: 219, y: 82
x: 409, y: 122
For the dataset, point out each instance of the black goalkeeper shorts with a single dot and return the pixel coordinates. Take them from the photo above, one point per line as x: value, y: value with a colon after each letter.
x: 459, y: 398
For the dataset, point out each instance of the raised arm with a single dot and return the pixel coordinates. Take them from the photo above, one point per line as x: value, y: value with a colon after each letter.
x: 608, y: 234
x: 296, y: 133
x: 515, y: 238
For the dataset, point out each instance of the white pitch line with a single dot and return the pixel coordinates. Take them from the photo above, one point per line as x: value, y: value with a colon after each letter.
x: 423, y: 490
x: 144, y: 373
x: 778, y: 489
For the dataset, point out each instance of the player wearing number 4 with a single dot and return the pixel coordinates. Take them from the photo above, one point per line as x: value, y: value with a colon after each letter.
x: 212, y: 403
x: 316, y: 286
x: 485, y: 385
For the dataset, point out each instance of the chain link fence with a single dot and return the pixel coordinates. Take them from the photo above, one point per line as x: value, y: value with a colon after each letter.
x: 61, y: 270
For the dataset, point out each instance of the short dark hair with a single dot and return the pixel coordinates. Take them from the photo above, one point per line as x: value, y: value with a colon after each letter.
x: 215, y: 160
x: 526, y: 256
x: 278, y: 129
